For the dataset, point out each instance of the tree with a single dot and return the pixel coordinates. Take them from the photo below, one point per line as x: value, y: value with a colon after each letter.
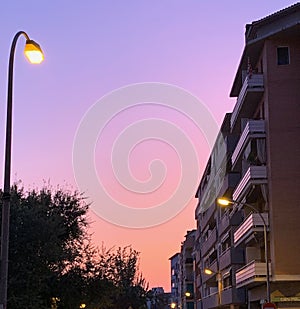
x: 47, y: 230
x: 115, y: 281
x: 123, y: 271
x: 52, y: 263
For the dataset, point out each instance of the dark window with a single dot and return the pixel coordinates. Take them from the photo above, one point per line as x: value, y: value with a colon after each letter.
x: 190, y: 305
x: 283, y: 55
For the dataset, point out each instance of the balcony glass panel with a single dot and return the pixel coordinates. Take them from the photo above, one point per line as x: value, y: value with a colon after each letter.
x: 254, y: 175
x: 253, y: 129
x: 248, y: 226
x: 252, y: 84
x: 251, y: 273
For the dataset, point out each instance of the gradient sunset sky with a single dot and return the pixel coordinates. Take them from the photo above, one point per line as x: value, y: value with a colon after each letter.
x: 99, y: 54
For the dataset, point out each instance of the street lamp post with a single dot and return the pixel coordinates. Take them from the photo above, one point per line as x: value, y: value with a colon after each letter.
x: 225, y: 202
x: 34, y: 54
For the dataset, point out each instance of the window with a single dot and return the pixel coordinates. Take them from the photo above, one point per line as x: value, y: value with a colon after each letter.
x: 283, y: 55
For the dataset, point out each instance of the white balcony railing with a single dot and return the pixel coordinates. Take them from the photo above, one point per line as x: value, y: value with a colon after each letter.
x: 253, y: 129
x: 254, y: 175
x: 252, y: 272
x: 248, y: 226
x: 255, y: 83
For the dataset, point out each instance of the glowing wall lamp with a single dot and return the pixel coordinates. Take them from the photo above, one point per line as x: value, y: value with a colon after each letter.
x: 34, y: 55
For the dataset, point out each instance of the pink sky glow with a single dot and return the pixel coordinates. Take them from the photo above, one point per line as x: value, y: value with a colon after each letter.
x: 145, y: 154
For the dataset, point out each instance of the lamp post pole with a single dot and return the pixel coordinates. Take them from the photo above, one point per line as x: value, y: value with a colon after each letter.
x: 7, y: 171
x: 223, y: 201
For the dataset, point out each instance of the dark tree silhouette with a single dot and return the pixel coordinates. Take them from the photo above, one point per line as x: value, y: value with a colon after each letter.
x: 52, y: 263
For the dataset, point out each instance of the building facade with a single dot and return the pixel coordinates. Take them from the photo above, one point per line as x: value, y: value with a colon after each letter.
x: 175, y: 279
x: 182, y: 274
x: 242, y: 251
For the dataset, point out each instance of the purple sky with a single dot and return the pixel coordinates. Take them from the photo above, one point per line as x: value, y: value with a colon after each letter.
x: 95, y: 47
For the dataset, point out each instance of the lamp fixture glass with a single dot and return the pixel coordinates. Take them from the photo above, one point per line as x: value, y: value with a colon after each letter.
x: 222, y: 201
x: 33, y: 52
x: 208, y: 271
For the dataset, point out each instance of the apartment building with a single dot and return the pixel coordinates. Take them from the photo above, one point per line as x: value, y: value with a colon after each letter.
x: 182, y: 274
x: 175, y: 278
x: 256, y: 164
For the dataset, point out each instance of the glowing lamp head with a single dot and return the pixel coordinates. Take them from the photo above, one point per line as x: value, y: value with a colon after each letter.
x: 208, y: 271
x: 188, y: 294
x: 33, y: 52
x: 223, y: 201
x: 173, y: 305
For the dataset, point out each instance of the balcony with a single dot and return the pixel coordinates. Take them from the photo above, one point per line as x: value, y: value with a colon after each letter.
x: 224, y: 224
x: 197, y: 257
x: 253, y: 223
x: 228, y: 221
x: 207, y: 216
x: 211, y: 277
x: 254, y: 175
x: 253, y: 129
x: 249, y: 96
x: 189, y: 277
x: 229, y: 181
x: 210, y: 301
x: 231, y: 256
x: 209, y: 242
x: 251, y: 274
x: 233, y: 296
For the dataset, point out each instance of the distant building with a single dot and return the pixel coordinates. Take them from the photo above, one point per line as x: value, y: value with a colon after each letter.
x: 159, y: 299
x: 182, y: 274
x: 175, y: 278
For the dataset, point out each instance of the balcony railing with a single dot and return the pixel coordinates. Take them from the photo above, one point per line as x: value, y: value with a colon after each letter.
x: 210, y: 301
x: 206, y: 216
x: 250, y: 225
x: 254, y: 175
x: 214, y: 268
x: 197, y: 256
x: 231, y: 256
x: 209, y: 242
x: 224, y: 224
x: 232, y: 295
x: 251, y: 273
x: 253, y: 129
x: 255, y: 83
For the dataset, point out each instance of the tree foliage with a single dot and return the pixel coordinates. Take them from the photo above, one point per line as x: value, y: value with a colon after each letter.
x: 53, y: 264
